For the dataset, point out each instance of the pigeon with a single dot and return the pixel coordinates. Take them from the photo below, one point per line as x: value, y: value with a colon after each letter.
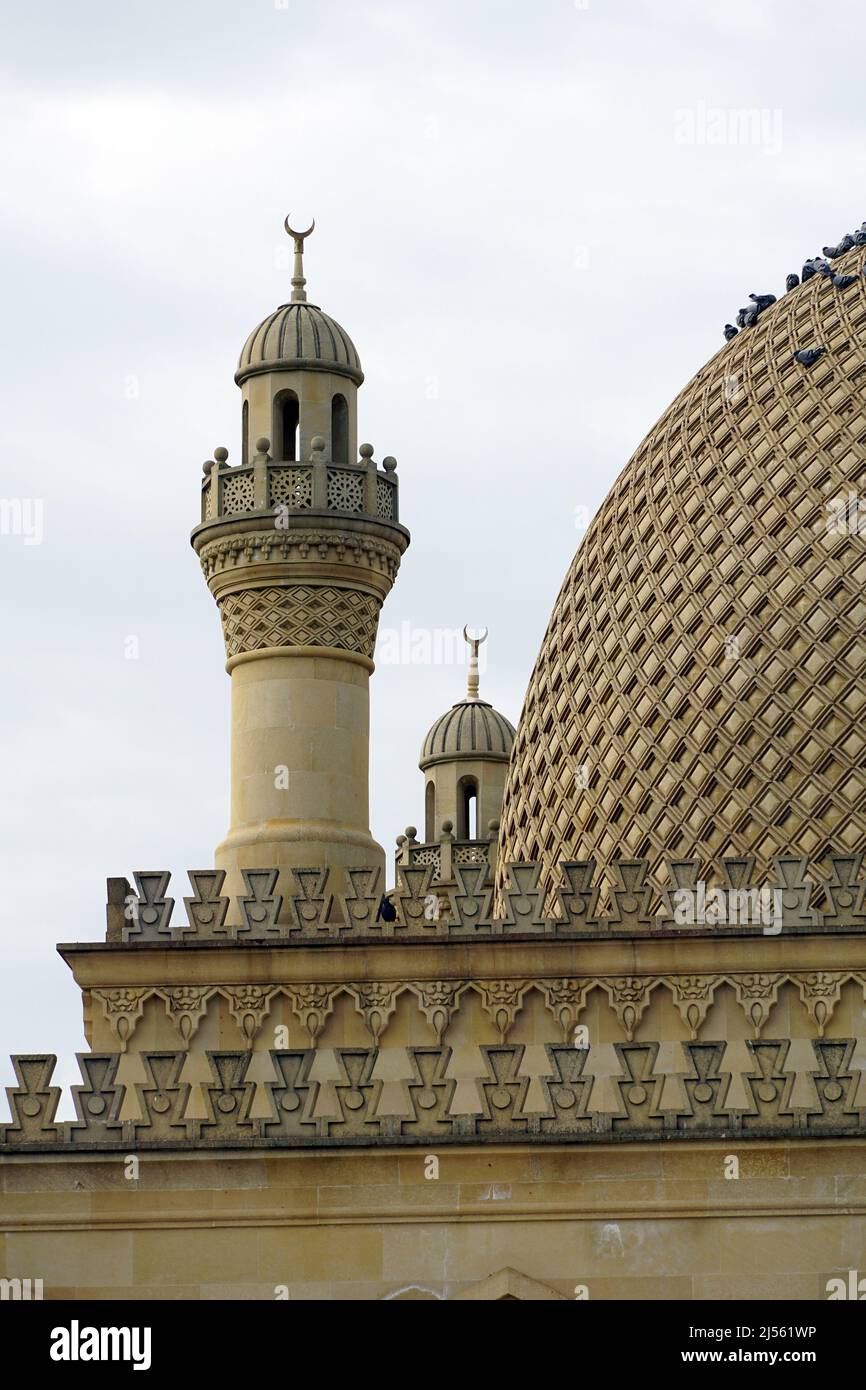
x: 843, y: 281
x: 860, y: 238
x: 826, y: 270
x: 730, y: 332
x: 807, y: 357
x: 844, y: 245
x: 748, y: 317
x: 792, y: 282
x: 763, y: 301
x: 387, y: 911
x: 812, y: 267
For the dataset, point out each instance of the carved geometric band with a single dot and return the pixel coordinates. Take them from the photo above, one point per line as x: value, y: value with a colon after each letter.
x: 299, y: 615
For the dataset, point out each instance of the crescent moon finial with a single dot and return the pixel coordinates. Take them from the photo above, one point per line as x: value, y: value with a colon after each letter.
x: 299, y: 293
x: 472, y: 675
x: 299, y: 235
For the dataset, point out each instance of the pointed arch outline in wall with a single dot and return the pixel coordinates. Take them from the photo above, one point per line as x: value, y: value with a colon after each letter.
x: 245, y: 433
x: 339, y: 429
x: 285, y: 426
x: 430, y: 811
x: 467, y: 808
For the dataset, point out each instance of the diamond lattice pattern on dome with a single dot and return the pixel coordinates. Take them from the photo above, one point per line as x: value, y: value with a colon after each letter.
x: 701, y: 687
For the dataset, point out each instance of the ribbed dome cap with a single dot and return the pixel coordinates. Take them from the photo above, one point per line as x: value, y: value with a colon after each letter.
x: 470, y: 729
x: 299, y: 337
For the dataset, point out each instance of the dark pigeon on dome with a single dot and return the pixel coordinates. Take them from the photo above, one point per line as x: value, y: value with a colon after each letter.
x: 844, y: 245
x: 812, y: 267
x: 860, y: 238
x: 842, y: 282
x: 730, y: 332
x: 807, y: 357
x: 792, y: 282
x: 763, y: 301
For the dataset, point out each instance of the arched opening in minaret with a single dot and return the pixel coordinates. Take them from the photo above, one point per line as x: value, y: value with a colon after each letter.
x: 339, y: 429
x: 430, y: 813
x: 245, y: 433
x: 284, y: 441
x: 467, y: 809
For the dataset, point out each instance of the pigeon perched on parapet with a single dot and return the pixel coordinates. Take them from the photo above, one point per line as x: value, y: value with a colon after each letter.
x: 748, y: 317
x: 730, y: 332
x: 808, y: 271
x: 860, y: 238
x: 843, y: 281
x: 844, y: 245
x: 792, y: 282
x: 763, y: 301
x: 807, y: 357
x: 387, y: 911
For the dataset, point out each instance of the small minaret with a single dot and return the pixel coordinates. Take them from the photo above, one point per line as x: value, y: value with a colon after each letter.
x: 464, y: 759
x: 300, y: 545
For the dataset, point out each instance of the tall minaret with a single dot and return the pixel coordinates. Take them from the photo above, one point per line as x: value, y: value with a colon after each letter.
x: 300, y: 545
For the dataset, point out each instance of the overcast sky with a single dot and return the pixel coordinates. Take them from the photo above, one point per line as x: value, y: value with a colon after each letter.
x: 533, y: 220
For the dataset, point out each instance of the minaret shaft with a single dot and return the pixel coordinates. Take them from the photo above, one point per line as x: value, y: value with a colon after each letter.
x: 299, y: 761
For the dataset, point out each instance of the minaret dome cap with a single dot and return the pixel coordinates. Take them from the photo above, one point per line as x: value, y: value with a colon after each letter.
x: 472, y: 728
x: 299, y: 336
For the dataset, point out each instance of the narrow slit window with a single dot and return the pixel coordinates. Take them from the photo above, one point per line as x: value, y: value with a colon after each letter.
x: 339, y: 429
x: 285, y: 427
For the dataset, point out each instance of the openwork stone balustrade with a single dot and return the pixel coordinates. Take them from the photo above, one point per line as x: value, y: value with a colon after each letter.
x: 318, y: 485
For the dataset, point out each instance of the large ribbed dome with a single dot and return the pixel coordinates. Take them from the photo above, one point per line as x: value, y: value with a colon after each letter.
x: 296, y: 337
x: 703, y: 674
x: 470, y: 729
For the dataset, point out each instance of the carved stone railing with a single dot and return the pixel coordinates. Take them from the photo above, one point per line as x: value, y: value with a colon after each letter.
x: 625, y: 903
x: 443, y: 854
x: 314, y: 485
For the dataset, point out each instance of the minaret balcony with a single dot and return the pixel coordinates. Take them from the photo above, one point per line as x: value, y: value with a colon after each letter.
x: 317, y: 485
x: 443, y: 854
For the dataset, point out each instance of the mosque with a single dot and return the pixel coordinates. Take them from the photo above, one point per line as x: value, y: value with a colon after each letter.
x: 522, y: 1072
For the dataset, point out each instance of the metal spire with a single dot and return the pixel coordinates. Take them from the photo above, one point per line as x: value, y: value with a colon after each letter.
x: 299, y: 294
x: 472, y: 677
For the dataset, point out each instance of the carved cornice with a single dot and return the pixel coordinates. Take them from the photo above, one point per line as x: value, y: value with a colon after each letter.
x: 292, y: 546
